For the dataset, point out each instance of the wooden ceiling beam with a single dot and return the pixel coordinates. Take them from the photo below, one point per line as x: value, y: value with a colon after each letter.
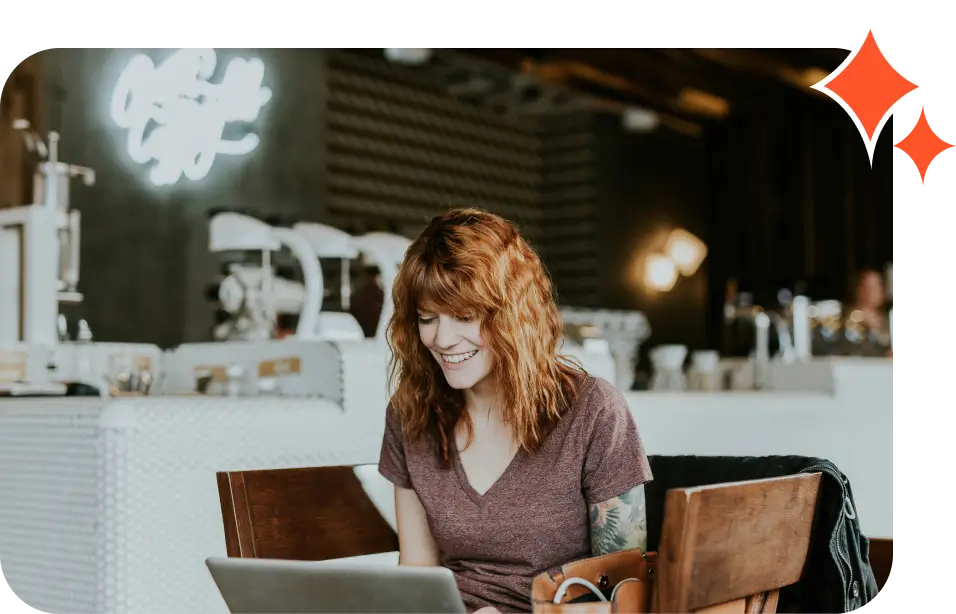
x: 746, y: 92
x: 826, y: 59
x: 614, y: 94
x: 668, y: 67
x: 763, y: 65
x: 739, y: 60
x: 579, y: 71
x: 609, y: 91
x: 636, y: 73
x: 620, y: 63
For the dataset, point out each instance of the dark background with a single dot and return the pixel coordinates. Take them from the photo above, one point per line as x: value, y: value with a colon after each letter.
x: 781, y: 190
x: 779, y: 197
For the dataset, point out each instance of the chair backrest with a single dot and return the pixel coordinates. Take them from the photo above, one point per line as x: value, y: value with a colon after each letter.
x: 881, y: 560
x: 731, y: 547
x: 308, y: 514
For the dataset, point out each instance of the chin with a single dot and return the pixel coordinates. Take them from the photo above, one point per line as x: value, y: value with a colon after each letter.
x: 461, y: 381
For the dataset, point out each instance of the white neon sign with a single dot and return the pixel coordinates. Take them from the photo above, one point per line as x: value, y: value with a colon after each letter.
x: 187, y: 113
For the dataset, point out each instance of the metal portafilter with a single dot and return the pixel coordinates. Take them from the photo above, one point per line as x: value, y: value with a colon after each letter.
x: 31, y: 138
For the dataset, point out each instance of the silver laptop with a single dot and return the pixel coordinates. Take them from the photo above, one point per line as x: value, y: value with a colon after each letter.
x: 264, y: 586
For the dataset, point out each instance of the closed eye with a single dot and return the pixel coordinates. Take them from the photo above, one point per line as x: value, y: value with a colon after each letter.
x: 423, y: 320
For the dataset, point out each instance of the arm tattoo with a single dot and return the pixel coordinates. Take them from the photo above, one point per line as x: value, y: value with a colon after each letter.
x: 619, y: 523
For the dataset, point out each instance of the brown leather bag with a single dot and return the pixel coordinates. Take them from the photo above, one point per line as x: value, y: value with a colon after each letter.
x: 625, y: 577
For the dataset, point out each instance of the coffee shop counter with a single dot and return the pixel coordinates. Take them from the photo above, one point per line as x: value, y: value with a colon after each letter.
x: 838, y: 409
x: 111, y: 504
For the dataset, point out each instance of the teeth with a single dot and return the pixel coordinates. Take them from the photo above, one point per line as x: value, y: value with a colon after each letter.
x: 458, y: 358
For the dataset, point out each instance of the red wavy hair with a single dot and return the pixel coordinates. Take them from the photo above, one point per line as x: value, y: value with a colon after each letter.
x: 471, y: 262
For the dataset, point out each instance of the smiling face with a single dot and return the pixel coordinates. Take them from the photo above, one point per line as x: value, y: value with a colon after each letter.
x: 457, y: 346
x: 471, y: 262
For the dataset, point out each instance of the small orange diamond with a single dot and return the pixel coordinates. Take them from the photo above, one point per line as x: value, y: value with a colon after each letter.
x: 922, y: 145
x: 869, y: 85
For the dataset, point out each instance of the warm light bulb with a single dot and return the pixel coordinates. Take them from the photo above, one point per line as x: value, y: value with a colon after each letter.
x: 686, y: 250
x: 660, y: 273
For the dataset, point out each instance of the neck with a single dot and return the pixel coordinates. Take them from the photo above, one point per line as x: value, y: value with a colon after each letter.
x: 480, y: 400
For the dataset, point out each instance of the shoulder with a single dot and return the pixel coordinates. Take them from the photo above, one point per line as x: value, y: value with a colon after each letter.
x: 393, y: 424
x: 399, y: 434
x: 598, y: 406
x: 597, y: 397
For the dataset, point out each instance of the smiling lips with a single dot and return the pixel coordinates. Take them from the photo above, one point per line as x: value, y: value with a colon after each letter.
x: 453, y: 360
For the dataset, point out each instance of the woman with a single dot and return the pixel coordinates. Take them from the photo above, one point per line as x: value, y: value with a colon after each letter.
x: 867, y: 306
x: 869, y: 298
x: 507, y: 459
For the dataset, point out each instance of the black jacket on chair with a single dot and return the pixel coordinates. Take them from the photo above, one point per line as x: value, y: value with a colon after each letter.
x: 837, y: 576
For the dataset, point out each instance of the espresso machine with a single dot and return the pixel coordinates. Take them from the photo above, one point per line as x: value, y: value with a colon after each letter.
x: 251, y: 295
x: 40, y: 248
x: 39, y: 272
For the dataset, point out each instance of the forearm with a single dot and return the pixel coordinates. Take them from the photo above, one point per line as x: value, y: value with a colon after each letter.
x: 416, y: 545
x: 414, y: 556
x: 619, y: 523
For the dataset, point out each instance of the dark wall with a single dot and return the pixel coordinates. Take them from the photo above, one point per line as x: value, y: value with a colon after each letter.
x: 781, y: 197
x: 793, y: 198
x: 650, y: 183
x: 144, y: 261
x: 19, y: 99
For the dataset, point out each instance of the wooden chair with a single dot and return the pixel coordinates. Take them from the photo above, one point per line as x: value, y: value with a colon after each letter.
x: 881, y: 559
x: 731, y: 547
x: 724, y: 548
x: 309, y: 514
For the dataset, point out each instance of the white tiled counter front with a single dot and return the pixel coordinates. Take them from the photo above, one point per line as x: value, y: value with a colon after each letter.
x: 112, y: 506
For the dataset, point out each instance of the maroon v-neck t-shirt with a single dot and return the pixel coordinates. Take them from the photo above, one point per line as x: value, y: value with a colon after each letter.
x: 535, y: 517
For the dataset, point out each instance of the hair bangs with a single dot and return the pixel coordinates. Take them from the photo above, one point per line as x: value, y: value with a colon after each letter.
x: 443, y: 289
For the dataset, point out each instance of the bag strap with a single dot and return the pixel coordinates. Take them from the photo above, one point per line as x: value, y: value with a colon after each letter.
x: 563, y: 589
x: 604, y: 571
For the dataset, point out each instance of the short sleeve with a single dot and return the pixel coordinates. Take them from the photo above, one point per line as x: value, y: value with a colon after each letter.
x: 615, y: 460
x: 391, y: 463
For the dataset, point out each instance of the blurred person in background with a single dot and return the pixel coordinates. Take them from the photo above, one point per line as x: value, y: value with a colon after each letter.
x: 365, y: 303
x: 869, y: 298
x: 867, y: 307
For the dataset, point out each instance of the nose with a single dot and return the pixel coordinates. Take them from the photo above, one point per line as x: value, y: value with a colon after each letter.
x: 446, y: 333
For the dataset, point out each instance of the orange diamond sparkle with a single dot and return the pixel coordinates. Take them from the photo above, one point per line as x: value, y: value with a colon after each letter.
x: 869, y: 85
x: 922, y: 145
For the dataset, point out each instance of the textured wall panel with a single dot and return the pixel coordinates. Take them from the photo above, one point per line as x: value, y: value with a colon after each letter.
x: 400, y: 150
x: 569, y: 197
